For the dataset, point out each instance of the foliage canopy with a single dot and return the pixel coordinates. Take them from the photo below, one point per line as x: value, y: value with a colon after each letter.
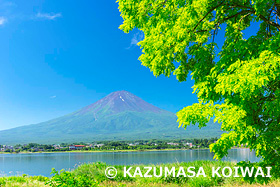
x: 238, y: 85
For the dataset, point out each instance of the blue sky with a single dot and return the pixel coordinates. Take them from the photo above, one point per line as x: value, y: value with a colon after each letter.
x: 59, y: 56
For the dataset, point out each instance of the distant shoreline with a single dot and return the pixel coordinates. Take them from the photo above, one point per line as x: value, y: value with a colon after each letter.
x: 112, y: 151
x: 103, y: 151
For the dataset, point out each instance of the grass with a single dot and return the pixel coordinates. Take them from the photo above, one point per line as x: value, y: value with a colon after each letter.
x: 93, y: 175
x: 24, y: 180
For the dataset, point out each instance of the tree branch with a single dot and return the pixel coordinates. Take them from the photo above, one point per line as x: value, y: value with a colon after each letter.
x: 278, y: 9
x: 252, y: 10
x: 232, y: 16
x: 268, y: 21
x: 207, y: 14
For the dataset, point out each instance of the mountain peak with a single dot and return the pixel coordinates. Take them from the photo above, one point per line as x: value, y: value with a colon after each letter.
x: 120, y: 101
x: 120, y: 93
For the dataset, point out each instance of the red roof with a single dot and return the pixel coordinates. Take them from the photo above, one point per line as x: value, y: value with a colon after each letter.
x: 79, y: 145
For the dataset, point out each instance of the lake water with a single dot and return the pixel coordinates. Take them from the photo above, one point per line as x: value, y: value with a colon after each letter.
x: 42, y: 163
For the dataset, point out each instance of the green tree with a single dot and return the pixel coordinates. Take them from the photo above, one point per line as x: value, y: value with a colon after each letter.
x: 237, y: 85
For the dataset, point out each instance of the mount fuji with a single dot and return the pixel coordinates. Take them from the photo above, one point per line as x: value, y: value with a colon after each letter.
x: 118, y: 116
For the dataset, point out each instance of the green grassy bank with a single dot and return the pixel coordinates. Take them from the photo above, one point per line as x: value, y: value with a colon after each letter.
x: 94, y: 175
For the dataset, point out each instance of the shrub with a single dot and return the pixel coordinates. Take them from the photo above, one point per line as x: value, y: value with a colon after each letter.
x: 66, y: 178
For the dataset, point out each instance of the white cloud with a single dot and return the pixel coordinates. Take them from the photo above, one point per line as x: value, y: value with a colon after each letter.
x: 136, y: 38
x: 53, y: 97
x: 2, y: 20
x: 49, y: 16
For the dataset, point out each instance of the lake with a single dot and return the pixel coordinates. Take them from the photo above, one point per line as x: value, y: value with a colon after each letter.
x: 42, y: 163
